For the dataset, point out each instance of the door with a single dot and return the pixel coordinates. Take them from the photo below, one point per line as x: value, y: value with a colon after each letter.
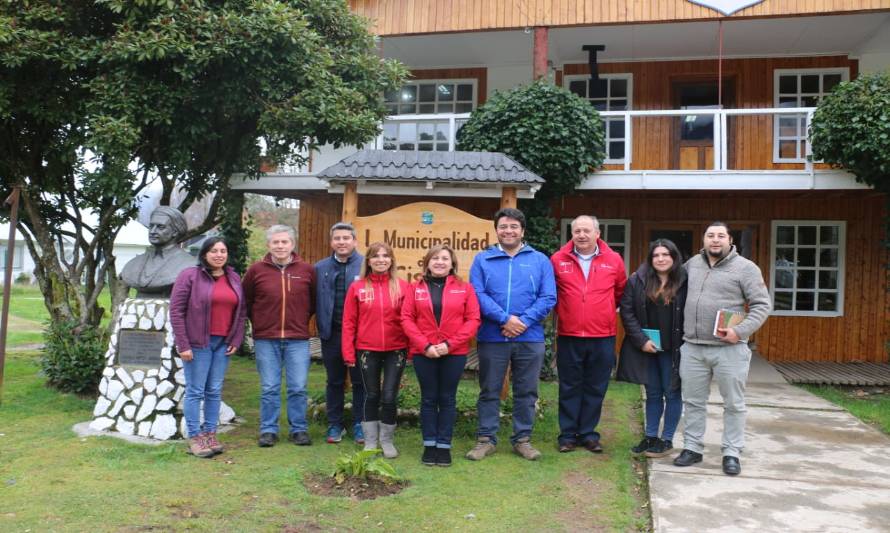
x: 693, y: 136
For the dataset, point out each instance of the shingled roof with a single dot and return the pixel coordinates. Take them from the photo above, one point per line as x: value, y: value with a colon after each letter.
x: 472, y: 167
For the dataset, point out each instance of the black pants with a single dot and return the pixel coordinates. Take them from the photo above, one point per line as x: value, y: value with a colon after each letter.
x: 381, y: 403
x: 331, y: 354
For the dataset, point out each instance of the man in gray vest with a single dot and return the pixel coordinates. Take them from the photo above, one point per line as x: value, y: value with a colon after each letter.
x: 719, y: 279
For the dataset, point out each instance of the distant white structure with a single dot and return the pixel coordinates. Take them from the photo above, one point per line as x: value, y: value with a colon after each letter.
x: 22, y: 262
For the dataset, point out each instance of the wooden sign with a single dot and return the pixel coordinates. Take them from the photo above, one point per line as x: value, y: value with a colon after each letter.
x: 412, y: 229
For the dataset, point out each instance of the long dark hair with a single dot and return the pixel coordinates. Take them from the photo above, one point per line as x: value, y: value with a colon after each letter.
x: 209, y: 243
x: 654, y: 289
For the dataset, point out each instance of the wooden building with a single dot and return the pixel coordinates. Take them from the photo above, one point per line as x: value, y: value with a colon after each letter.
x: 706, y: 115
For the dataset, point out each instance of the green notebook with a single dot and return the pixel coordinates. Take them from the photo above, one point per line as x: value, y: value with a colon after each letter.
x: 654, y: 336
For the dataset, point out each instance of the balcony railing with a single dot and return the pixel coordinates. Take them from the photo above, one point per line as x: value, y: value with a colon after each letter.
x: 652, y: 140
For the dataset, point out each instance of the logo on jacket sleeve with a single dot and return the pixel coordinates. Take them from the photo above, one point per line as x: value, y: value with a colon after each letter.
x: 566, y: 267
x: 421, y: 295
x: 365, y: 295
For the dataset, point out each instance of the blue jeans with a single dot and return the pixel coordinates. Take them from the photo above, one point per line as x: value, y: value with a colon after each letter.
x: 438, y: 380
x: 336, y: 369
x: 204, y: 376
x: 660, y: 399
x: 271, y: 356
x: 585, y: 366
x: 525, y: 359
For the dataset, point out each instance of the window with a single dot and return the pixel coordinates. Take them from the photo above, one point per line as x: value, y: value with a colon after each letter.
x: 615, y: 232
x: 799, y: 88
x: 17, y: 259
x: 614, y: 95
x: 808, y: 267
x: 426, y: 98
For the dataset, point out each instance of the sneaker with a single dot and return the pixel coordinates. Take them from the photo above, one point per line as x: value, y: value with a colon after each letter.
x: 335, y: 434
x: 358, y: 434
x: 483, y: 448
x: 644, y: 444
x: 687, y: 458
x: 267, y: 440
x: 300, y: 438
x: 198, y: 447
x: 443, y: 456
x: 525, y: 449
x: 430, y: 456
x: 213, y: 444
x: 660, y: 448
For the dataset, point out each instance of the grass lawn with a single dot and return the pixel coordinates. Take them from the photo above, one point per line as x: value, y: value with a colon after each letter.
x: 52, y: 480
x: 871, y: 408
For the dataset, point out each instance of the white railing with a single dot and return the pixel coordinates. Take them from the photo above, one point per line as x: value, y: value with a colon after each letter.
x: 438, y: 132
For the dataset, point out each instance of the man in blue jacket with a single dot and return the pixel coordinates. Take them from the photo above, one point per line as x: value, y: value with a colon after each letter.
x: 516, y: 290
x: 333, y: 276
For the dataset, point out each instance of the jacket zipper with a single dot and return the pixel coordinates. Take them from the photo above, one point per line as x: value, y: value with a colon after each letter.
x: 382, y: 319
x: 283, y: 302
x: 509, y: 288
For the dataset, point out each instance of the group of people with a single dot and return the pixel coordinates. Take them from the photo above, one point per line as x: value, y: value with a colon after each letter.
x: 371, y: 323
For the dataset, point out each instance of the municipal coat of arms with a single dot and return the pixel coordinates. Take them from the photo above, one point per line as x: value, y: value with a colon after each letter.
x: 727, y: 7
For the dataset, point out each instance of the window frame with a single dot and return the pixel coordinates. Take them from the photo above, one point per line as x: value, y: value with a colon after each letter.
x: 426, y: 118
x: 844, y: 73
x: 841, y: 266
x: 437, y: 81
x: 565, y: 236
x: 18, y: 260
x: 627, y: 76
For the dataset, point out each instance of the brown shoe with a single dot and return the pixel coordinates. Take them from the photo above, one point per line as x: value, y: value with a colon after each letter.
x: 567, y: 446
x: 483, y: 448
x: 524, y: 449
x: 213, y: 444
x: 593, y: 446
x: 198, y: 447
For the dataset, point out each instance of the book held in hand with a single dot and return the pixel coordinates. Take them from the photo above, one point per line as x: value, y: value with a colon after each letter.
x: 727, y: 319
x: 654, y: 336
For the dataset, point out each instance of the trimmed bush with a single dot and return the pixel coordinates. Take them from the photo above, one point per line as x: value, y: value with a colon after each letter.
x: 74, y: 357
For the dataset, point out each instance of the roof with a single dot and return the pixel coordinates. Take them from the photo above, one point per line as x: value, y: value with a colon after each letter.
x: 388, y: 165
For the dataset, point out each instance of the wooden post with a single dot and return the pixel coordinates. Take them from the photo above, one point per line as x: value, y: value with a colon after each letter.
x: 350, y: 202
x: 508, y: 197
x: 539, y: 54
x: 13, y: 203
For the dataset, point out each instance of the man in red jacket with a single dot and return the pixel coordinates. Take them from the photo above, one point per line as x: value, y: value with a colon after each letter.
x: 279, y: 291
x: 590, y: 278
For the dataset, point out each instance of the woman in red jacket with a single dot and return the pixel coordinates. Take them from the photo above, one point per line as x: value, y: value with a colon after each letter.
x: 440, y: 316
x: 372, y: 329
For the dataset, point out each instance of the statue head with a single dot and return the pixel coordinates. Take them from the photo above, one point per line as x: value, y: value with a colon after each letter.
x: 166, y: 226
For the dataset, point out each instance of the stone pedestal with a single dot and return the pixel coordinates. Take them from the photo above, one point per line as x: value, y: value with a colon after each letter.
x: 143, y: 382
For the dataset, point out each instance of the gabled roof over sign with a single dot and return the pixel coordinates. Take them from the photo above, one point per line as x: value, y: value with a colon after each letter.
x: 448, y: 167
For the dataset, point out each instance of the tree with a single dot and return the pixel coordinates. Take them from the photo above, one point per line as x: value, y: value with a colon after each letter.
x: 550, y: 131
x: 851, y: 129
x: 100, y: 97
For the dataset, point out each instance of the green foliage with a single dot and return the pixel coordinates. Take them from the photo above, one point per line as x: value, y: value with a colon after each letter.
x: 851, y: 129
x: 548, y: 129
x: 363, y: 464
x: 74, y: 357
x: 232, y: 230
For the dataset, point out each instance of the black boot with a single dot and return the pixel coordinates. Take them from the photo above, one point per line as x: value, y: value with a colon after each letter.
x: 444, y: 456
x: 644, y: 444
x: 430, y: 456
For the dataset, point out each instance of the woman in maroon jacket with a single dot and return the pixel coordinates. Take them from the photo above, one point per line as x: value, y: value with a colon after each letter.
x: 207, y: 314
x: 440, y: 316
x: 372, y: 328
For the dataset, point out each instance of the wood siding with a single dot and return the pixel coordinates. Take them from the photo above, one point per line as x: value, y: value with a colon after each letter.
x: 750, y: 137
x: 406, y: 17
x: 860, y: 334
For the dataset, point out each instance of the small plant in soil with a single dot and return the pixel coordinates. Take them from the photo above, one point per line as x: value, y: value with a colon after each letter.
x: 364, y: 464
x: 363, y: 475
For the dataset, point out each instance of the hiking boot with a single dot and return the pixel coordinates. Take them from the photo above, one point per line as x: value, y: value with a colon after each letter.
x: 300, y: 438
x: 687, y: 458
x: 644, y: 444
x: 443, y: 456
x: 198, y: 447
x: 387, y: 434
x: 371, y: 432
x: 660, y: 448
x: 525, y: 449
x: 213, y: 444
x: 357, y: 434
x: 267, y: 440
x: 335, y: 434
x: 483, y: 448
x: 430, y: 456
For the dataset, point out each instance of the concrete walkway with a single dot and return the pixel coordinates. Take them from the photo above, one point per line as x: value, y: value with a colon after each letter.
x: 808, y: 465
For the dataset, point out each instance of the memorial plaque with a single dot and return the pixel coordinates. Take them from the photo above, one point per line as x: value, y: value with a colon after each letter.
x: 140, y: 348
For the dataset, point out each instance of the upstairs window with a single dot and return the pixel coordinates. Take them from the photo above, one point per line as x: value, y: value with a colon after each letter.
x: 799, y: 88
x: 402, y: 132
x: 615, y: 95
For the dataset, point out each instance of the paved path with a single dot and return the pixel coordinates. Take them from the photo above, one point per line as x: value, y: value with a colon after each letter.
x: 808, y: 465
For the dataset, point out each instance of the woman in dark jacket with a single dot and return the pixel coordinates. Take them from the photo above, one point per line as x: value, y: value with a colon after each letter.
x: 207, y: 313
x: 652, y: 313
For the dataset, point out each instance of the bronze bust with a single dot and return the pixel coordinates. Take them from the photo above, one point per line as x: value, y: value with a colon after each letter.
x: 152, y: 273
